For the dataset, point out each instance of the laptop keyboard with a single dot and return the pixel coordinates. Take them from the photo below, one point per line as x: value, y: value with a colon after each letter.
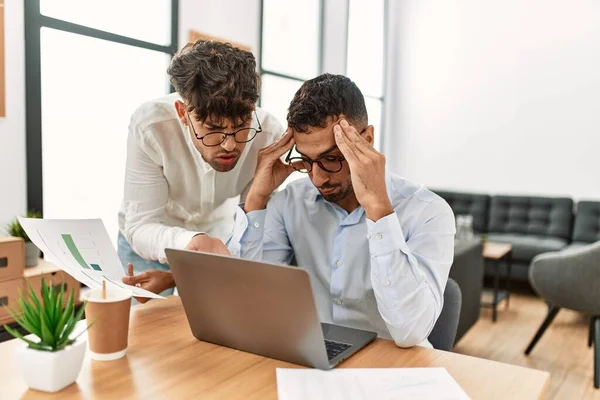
x: 335, y: 348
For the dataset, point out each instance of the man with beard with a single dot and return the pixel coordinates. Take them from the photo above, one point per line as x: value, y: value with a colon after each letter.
x: 190, y: 155
x: 378, y: 248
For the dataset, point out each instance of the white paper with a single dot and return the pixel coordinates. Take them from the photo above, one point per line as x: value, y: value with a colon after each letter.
x: 368, y: 383
x: 82, y: 248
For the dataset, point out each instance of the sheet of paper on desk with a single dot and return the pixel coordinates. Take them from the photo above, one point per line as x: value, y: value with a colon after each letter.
x: 368, y: 383
x: 82, y: 248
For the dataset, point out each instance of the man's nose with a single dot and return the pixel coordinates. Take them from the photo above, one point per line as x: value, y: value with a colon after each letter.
x: 229, y: 143
x: 318, y: 176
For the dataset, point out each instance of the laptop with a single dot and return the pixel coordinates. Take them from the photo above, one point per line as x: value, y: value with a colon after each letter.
x: 260, y: 308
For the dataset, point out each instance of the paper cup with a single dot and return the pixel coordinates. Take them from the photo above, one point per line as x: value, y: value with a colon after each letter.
x: 108, y: 335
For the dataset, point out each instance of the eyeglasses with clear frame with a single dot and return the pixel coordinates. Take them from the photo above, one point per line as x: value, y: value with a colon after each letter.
x: 243, y: 135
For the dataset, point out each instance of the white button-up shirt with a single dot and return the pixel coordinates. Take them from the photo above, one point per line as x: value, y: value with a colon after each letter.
x: 387, y: 276
x: 171, y: 193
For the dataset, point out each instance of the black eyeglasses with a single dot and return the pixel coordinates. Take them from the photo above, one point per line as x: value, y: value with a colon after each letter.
x: 243, y: 135
x: 329, y: 163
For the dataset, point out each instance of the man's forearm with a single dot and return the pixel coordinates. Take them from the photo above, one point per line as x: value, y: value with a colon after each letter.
x: 255, y: 202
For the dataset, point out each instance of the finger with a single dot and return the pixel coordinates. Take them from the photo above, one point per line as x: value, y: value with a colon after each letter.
x: 276, y: 153
x: 130, y: 269
x: 344, y: 144
x: 133, y: 280
x: 142, y: 299
x: 220, y: 248
x: 282, y: 141
x: 355, y: 137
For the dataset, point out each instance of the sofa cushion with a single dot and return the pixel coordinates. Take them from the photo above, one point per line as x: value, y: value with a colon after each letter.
x: 476, y: 205
x: 536, y: 216
x: 525, y: 247
x: 587, y: 222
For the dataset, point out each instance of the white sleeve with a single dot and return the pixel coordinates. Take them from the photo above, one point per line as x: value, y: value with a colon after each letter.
x: 146, y: 196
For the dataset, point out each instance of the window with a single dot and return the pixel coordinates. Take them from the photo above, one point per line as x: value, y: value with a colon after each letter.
x: 293, y: 38
x: 365, y: 58
x: 87, y: 69
x: 291, y: 49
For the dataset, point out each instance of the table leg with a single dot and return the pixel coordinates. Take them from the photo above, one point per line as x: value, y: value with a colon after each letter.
x: 508, y: 261
x: 496, y: 287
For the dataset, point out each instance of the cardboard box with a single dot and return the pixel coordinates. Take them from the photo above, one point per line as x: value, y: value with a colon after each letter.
x: 9, y: 293
x: 54, y: 278
x: 12, y: 258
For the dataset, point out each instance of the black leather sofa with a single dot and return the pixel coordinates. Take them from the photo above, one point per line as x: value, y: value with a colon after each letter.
x: 533, y: 225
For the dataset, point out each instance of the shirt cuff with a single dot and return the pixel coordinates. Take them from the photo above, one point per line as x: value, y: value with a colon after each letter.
x: 385, y: 235
x: 250, y: 227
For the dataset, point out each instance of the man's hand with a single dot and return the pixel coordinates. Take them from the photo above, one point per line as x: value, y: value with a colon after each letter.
x: 270, y: 172
x: 367, y: 170
x: 207, y: 244
x: 153, y: 280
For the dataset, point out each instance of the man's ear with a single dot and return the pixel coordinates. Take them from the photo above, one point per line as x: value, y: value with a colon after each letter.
x: 181, y: 112
x: 369, y: 134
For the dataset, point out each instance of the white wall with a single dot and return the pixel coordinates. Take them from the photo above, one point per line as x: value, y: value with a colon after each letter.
x: 235, y: 20
x: 497, y: 96
x: 13, y: 186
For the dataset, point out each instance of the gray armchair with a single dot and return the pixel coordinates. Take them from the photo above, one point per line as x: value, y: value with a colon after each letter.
x: 444, y: 332
x: 570, y: 279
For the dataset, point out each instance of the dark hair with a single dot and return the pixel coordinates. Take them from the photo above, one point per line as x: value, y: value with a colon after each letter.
x: 216, y: 80
x: 326, y: 96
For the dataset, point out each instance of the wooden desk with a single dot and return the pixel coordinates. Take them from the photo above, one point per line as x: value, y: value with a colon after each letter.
x: 164, y: 360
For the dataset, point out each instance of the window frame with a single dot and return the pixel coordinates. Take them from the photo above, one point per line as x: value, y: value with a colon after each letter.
x: 34, y: 22
x: 381, y: 98
x: 262, y: 71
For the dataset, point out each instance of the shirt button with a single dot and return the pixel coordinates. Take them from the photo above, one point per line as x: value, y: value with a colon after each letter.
x: 379, y: 236
x: 243, y: 225
x: 256, y: 224
x: 386, y: 282
x: 368, y: 236
x: 339, y: 302
x: 339, y: 263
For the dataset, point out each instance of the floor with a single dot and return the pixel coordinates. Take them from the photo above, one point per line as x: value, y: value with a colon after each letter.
x: 562, y: 351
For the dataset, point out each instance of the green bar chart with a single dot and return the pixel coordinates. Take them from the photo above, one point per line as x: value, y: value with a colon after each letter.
x: 96, y: 267
x: 74, y: 250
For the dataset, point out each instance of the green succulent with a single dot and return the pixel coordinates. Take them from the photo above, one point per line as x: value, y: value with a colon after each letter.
x: 47, y: 319
x: 15, y: 229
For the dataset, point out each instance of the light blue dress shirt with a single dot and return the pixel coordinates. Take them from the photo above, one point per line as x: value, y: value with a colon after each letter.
x: 387, y: 276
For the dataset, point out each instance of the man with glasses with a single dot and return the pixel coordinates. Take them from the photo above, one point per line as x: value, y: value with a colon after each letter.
x: 190, y: 155
x: 377, y: 247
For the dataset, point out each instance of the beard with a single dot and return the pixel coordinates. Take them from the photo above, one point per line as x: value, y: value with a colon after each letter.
x: 341, y: 193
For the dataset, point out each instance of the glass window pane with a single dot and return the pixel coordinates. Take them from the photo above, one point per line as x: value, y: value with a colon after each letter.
x: 88, y: 97
x: 276, y: 95
x: 139, y: 19
x: 374, y: 107
x: 365, y: 45
x: 290, y: 37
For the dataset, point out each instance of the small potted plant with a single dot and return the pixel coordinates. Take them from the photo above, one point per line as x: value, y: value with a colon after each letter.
x: 32, y: 253
x: 53, y: 360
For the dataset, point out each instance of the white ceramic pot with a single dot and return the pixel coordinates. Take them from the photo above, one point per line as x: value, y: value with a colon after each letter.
x: 32, y: 254
x: 51, y: 371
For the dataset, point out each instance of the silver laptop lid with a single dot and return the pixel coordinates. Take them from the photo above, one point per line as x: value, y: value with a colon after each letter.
x: 252, y: 306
